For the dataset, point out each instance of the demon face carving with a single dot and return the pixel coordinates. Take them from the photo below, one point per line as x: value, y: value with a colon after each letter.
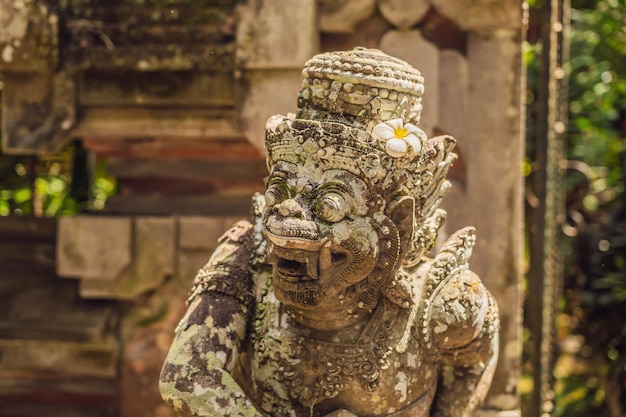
x: 322, y: 236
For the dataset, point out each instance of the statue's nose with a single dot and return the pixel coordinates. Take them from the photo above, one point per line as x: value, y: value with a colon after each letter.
x: 291, y: 208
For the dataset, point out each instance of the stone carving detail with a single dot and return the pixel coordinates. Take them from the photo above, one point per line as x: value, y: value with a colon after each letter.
x: 327, y: 302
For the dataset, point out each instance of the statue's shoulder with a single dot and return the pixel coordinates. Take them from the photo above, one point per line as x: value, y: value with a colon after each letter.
x: 456, y: 303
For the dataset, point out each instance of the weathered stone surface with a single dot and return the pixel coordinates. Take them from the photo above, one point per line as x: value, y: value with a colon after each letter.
x: 54, y: 97
x: 197, y: 238
x: 144, y: 36
x: 266, y: 93
x: 403, y: 14
x: 344, y: 16
x: 443, y: 32
x: 208, y: 204
x: 157, y: 89
x: 153, y: 260
x: 498, y: 413
x: 99, y: 289
x: 146, y: 334
x: 265, y: 24
x: 45, y: 307
x: 202, y: 232
x: 28, y: 36
x: 199, y: 246
x: 58, y: 352
x: 139, y: 393
x: 481, y: 14
x: 367, y: 34
x: 453, y: 94
x: 93, y: 247
x: 262, y: 92
x: 190, y: 262
x: 137, y: 124
x: 71, y: 358
x: 423, y: 55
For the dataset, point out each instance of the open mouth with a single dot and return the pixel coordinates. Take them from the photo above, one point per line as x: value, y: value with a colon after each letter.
x: 302, y: 266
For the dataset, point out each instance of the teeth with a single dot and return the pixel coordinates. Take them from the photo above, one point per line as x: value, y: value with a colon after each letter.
x: 311, y: 268
x: 301, y: 257
x: 306, y: 259
x: 325, y: 258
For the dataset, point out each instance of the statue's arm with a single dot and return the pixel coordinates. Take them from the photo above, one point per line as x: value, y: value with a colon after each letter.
x: 465, y: 327
x: 196, y: 377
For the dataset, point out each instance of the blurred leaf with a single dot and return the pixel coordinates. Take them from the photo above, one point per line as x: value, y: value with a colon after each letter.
x: 22, y: 195
x: 5, y: 209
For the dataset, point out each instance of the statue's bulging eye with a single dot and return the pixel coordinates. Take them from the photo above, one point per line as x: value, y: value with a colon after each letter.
x: 332, y: 207
x: 275, y: 194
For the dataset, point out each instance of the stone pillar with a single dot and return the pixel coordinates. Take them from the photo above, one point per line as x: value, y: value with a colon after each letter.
x: 274, y: 40
x: 492, y: 198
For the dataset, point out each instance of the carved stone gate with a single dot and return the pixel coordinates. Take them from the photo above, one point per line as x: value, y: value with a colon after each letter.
x: 174, y: 95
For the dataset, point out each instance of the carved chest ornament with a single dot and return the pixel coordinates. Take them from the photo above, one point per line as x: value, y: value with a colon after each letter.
x: 314, y: 370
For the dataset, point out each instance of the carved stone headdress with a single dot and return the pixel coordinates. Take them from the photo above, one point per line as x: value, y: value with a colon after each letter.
x: 358, y: 111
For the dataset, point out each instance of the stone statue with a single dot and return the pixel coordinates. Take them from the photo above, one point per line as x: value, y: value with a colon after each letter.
x: 326, y: 303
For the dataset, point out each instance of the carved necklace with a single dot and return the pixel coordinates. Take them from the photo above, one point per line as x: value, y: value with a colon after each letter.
x: 313, y: 370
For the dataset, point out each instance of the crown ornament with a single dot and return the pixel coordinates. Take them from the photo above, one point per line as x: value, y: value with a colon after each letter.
x: 359, y: 111
x: 364, y: 85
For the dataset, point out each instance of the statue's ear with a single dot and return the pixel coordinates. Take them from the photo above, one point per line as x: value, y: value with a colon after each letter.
x: 402, y: 213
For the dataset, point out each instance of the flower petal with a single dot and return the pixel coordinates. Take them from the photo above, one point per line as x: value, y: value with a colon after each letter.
x: 411, y: 128
x: 413, y: 142
x: 383, y: 131
x: 396, y: 123
x: 396, y: 147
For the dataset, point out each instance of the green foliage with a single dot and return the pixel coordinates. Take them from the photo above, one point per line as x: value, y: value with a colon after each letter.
x: 598, y: 85
x: 44, y: 187
x: 29, y: 186
x: 590, y: 370
x: 591, y: 367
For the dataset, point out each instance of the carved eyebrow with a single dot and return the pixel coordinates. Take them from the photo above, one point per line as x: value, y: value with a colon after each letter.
x: 334, y: 184
x: 276, y: 176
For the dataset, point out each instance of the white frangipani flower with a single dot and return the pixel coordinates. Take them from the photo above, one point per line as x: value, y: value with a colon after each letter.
x: 399, y: 136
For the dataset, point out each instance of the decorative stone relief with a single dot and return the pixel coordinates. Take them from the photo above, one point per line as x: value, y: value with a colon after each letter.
x: 326, y: 302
